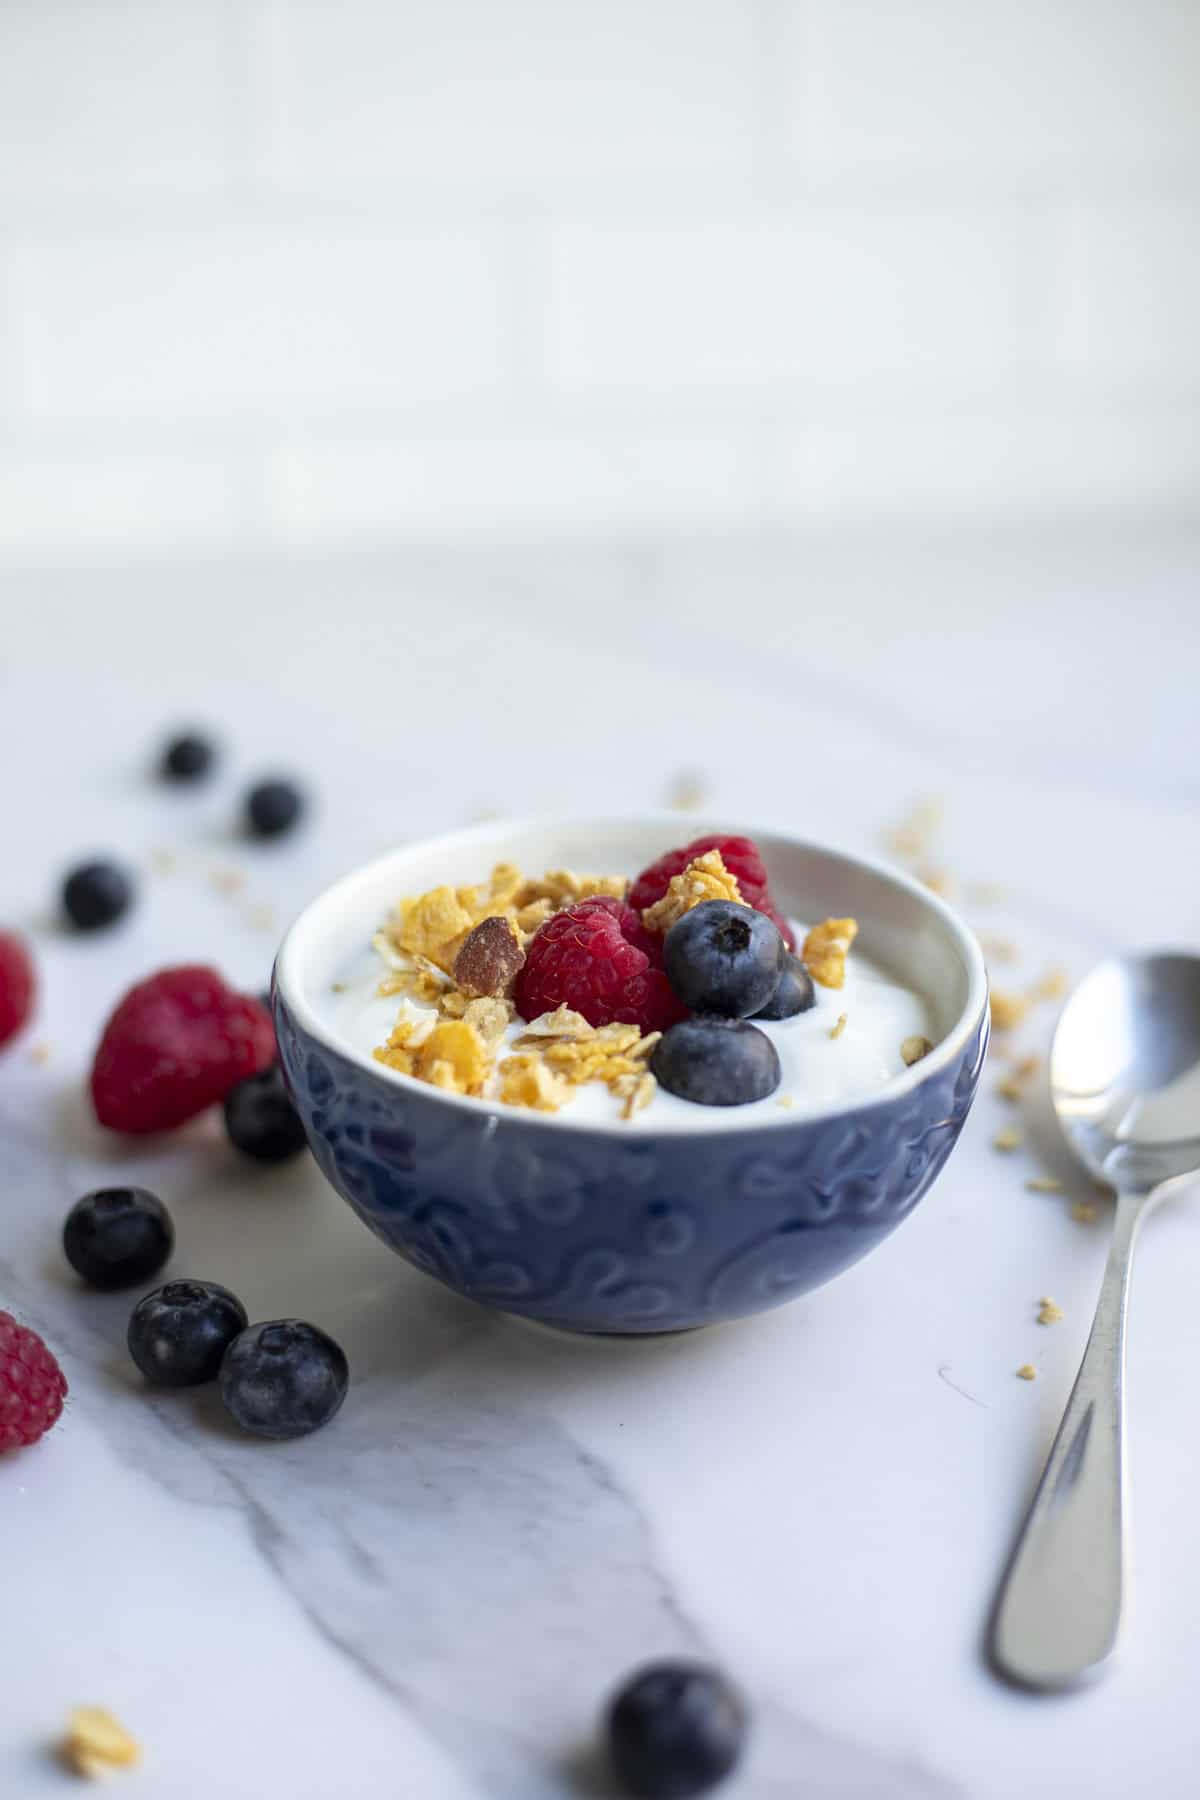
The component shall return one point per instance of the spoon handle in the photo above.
(1059, 1609)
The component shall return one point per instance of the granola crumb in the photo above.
(227, 881)
(787, 1101)
(637, 1091)
(687, 791)
(1027, 1372)
(96, 1742)
(1008, 1139)
(1007, 1009)
(39, 1054)
(825, 950)
(1049, 1311)
(338, 987)
(913, 1049)
(939, 881)
(262, 917)
(1026, 1067)
(1009, 1088)
(706, 878)
(1052, 985)
(1083, 1212)
(1044, 1184)
(835, 1031)
(913, 836)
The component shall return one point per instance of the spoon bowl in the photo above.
(1125, 1070)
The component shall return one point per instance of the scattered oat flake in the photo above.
(1007, 1009)
(1083, 1212)
(338, 987)
(687, 791)
(227, 881)
(985, 893)
(912, 837)
(1049, 1311)
(39, 1054)
(787, 1101)
(825, 950)
(1044, 1184)
(637, 1091)
(835, 1031)
(1026, 1067)
(705, 878)
(913, 1049)
(1008, 1139)
(561, 1023)
(1027, 1372)
(1052, 986)
(939, 881)
(261, 917)
(1009, 1088)
(96, 1743)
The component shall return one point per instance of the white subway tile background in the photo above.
(285, 271)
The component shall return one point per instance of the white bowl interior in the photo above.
(903, 926)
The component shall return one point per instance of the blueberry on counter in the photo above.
(273, 807)
(188, 757)
(724, 958)
(96, 894)
(716, 1062)
(795, 993)
(179, 1333)
(283, 1379)
(675, 1729)
(260, 1119)
(117, 1237)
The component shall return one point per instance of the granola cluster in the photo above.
(458, 952)
(461, 950)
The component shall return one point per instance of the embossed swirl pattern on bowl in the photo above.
(581, 1230)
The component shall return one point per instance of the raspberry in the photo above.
(598, 959)
(16, 985)
(177, 1044)
(32, 1386)
(741, 857)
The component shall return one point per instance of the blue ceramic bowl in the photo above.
(615, 1227)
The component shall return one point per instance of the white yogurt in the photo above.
(819, 1071)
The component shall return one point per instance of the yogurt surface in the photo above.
(819, 1071)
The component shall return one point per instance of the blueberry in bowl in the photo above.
(686, 1212)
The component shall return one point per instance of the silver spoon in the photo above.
(1125, 1081)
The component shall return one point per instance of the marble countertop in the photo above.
(431, 1597)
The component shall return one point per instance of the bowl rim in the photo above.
(288, 971)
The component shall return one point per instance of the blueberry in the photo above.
(283, 1379)
(675, 1729)
(795, 993)
(273, 807)
(179, 1333)
(96, 894)
(716, 1062)
(261, 1120)
(116, 1237)
(188, 757)
(723, 958)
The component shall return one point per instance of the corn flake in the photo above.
(526, 1081)
(95, 1743)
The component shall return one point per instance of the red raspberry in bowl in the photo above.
(17, 985)
(176, 1045)
(32, 1386)
(598, 958)
(741, 857)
